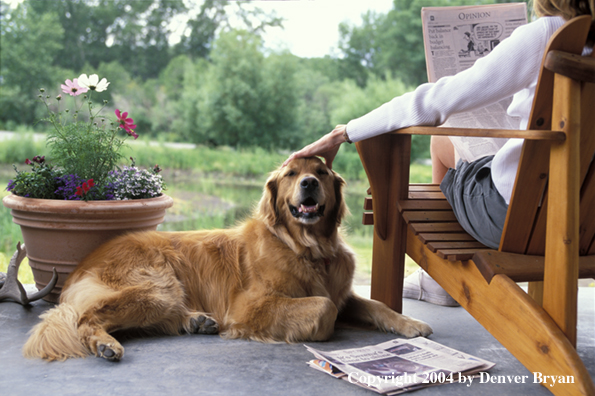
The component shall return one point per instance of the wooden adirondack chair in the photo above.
(550, 221)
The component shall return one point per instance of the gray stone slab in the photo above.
(209, 365)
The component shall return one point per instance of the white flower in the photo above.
(92, 82)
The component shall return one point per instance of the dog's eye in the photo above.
(322, 172)
(290, 173)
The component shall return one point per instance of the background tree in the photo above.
(30, 43)
(246, 99)
(186, 73)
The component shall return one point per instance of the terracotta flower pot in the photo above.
(61, 233)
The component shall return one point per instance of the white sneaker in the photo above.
(420, 286)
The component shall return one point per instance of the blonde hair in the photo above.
(567, 9)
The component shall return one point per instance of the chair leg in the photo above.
(386, 161)
(535, 290)
(511, 316)
(562, 235)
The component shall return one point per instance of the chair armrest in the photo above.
(530, 134)
(576, 67)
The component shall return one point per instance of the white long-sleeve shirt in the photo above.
(512, 68)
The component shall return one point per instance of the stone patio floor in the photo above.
(209, 365)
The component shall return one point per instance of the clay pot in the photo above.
(59, 234)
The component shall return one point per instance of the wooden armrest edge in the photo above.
(530, 134)
(580, 68)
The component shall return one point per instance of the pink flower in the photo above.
(73, 88)
(126, 123)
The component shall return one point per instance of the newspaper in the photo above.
(400, 365)
(454, 38)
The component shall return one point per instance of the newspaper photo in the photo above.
(399, 365)
(454, 38)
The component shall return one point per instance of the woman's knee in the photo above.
(442, 151)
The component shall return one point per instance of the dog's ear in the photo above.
(340, 210)
(267, 207)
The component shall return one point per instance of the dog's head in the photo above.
(306, 193)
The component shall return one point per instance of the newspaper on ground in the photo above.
(454, 38)
(399, 365)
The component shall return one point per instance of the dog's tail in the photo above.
(56, 337)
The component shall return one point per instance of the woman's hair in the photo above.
(567, 9)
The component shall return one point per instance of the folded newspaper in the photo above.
(400, 365)
(454, 38)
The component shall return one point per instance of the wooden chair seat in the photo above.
(431, 218)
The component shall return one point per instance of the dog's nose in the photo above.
(309, 183)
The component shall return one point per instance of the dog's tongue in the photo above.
(308, 209)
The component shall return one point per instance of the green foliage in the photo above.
(317, 93)
(85, 150)
(183, 113)
(39, 183)
(89, 149)
(138, 33)
(30, 43)
(353, 102)
(244, 162)
(20, 147)
(227, 91)
(246, 99)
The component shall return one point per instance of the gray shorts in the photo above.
(477, 204)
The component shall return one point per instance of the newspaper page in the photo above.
(454, 38)
(399, 365)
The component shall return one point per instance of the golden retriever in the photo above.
(283, 275)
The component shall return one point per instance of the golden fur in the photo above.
(283, 275)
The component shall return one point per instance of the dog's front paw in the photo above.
(203, 324)
(110, 351)
(412, 328)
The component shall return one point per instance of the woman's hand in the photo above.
(325, 147)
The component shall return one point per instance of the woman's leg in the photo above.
(419, 285)
(443, 156)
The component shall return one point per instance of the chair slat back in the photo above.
(524, 229)
(587, 177)
(587, 208)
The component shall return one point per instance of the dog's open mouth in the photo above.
(308, 210)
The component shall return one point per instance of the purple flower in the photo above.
(67, 187)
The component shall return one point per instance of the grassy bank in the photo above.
(251, 162)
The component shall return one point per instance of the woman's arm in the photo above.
(325, 147)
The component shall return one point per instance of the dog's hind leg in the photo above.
(147, 306)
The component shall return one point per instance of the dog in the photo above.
(283, 275)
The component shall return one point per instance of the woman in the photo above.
(478, 191)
